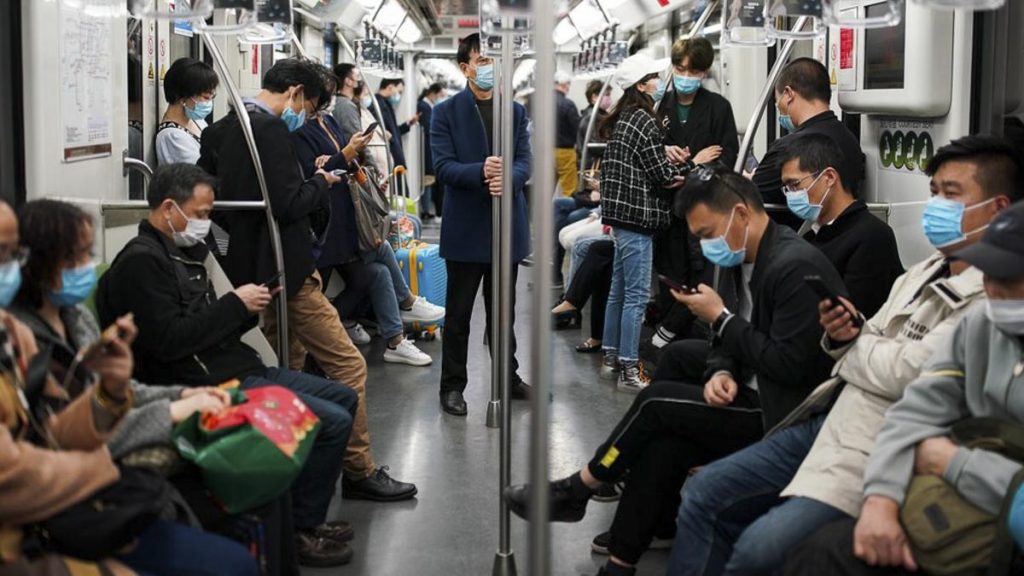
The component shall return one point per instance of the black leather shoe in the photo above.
(379, 487)
(320, 552)
(339, 531)
(453, 403)
(519, 390)
(613, 569)
(568, 499)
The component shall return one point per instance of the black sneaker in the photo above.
(610, 366)
(613, 569)
(519, 390)
(568, 499)
(379, 487)
(606, 493)
(317, 551)
(603, 540)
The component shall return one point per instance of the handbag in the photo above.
(372, 214)
(250, 453)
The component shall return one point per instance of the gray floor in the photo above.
(451, 527)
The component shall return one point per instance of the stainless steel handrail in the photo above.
(129, 164)
(495, 405)
(591, 122)
(703, 20)
(540, 324)
(219, 206)
(272, 226)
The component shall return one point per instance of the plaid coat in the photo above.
(634, 172)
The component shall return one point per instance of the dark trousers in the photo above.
(335, 406)
(173, 549)
(667, 431)
(354, 301)
(593, 279)
(464, 280)
(830, 551)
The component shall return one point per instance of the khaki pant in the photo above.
(565, 168)
(314, 326)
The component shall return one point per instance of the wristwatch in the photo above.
(116, 407)
(719, 322)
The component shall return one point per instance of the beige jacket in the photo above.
(877, 367)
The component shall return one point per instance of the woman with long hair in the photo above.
(637, 184)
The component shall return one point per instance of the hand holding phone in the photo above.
(676, 285)
(369, 129)
(824, 293)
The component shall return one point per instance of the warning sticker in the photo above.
(846, 54)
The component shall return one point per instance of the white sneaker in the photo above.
(358, 334)
(406, 353)
(422, 311)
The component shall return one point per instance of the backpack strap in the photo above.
(1004, 548)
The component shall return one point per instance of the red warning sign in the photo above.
(846, 57)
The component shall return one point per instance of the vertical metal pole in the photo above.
(540, 323)
(590, 126)
(504, 562)
(494, 406)
(698, 26)
(275, 232)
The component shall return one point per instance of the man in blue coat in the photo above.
(462, 143)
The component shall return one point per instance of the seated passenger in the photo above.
(318, 144)
(742, 514)
(974, 373)
(40, 481)
(802, 94)
(764, 360)
(593, 278)
(189, 336)
(862, 247)
(189, 87)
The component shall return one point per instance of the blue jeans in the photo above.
(335, 405)
(387, 289)
(732, 520)
(171, 549)
(631, 287)
(566, 212)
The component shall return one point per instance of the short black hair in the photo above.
(718, 188)
(188, 77)
(999, 166)
(467, 46)
(699, 50)
(343, 70)
(808, 78)
(387, 82)
(178, 182)
(293, 72)
(330, 86)
(816, 152)
(593, 89)
(432, 89)
(51, 230)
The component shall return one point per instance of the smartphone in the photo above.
(370, 128)
(824, 293)
(106, 338)
(338, 173)
(273, 280)
(676, 285)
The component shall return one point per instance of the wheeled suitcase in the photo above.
(426, 275)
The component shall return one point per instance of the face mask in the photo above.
(484, 77)
(718, 251)
(200, 110)
(685, 84)
(293, 119)
(195, 230)
(76, 285)
(367, 102)
(659, 92)
(786, 121)
(943, 221)
(1007, 315)
(799, 202)
(395, 99)
(10, 282)
(606, 103)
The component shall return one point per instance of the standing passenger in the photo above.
(462, 139)
(189, 87)
(346, 109)
(635, 203)
(431, 204)
(567, 122)
(389, 96)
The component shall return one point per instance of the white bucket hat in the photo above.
(634, 68)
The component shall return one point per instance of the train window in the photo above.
(884, 53)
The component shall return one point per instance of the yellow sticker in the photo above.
(609, 457)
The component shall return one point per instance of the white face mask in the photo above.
(1007, 315)
(194, 233)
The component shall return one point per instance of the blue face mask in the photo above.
(659, 92)
(76, 285)
(787, 123)
(718, 251)
(685, 84)
(799, 202)
(293, 119)
(484, 77)
(395, 99)
(10, 282)
(943, 221)
(368, 102)
(200, 110)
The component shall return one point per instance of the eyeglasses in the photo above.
(19, 255)
(794, 186)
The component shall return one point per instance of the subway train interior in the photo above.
(567, 287)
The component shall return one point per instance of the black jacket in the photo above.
(225, 154)
(711, 123)
(186, 334)
(425, 109)
(768, 176)
(863, 250)
(781, 344)
(595, 154)
(567, 121)
(390, 122)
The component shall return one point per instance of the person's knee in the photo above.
(335, 425)
(759, 551)
(700, 499)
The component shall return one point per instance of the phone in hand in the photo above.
(676, 285)
(370, 128)
(338, 173)
(824, 293)
(273, 281)
(106, 338)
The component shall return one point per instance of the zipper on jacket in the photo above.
(201, 365)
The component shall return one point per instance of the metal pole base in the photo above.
(504, 564)
(494, 414)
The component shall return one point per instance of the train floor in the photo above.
(451, 527)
